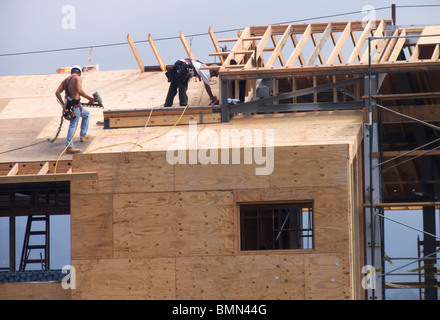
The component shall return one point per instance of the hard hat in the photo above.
(75, 69)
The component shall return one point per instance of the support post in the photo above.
(373, 222)
(429, 249)
(224, 90)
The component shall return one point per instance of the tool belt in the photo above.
(69, 110)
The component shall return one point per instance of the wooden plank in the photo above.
(216, 46)
(164, 120)
(260, 47)
(135, 52)
(309, 166)
(378, 33)
(436, 53)
(13, 171)
(218, 176)
(390, 45)
(186, 45)
(239, 45)
(325, 278)
(298, 49)
(415, 54)
(33, 291)
(262, 276)
(156, 53)
(87, 219)
(431, 35)
(126, 279)
(45, 169)
(148, 225)
(338, 47)
(398, 47)
(138, 172)
(318, 48)
(49, 177)
(279, 46)
(356, 53)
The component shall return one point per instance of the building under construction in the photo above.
(278, 192)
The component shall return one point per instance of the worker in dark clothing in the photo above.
(179, 76)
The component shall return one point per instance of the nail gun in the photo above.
(98, 100)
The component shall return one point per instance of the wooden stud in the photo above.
(319, 45)
(398, 47)
(156, 53)
(136, 54)
(435, 54)
(259, 50)
(337, 50)
(356, 53)
(186, 46)
(44, 169)
(378, 33)
(13, 171)
(298, 49)
(216, 46)
(277, 52)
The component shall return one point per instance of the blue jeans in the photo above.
(84, 114)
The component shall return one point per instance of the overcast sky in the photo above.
(29, 26)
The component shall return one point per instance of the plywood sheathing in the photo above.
(172, 231)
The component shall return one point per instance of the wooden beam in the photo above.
(186, 45)
(298, 49)
(238, 46)
(44, 169)
(13, 171)
(136, 54)
(337, 50)
(356, 53)
(319, 45)
(398, 47)
(378, 33)
(156, 53)
(260, 47)
(49, 177)
(280, 45)
(216, 46)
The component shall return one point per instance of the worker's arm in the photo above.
(81, 92)
(208, 90)
(58, 92)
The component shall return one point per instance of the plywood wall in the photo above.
(167, 231)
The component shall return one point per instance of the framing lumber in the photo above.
(156, 53)
(298, 49)
(186, 46)
(278, 47)
(135, 52)
(216, 46)
(13, 171)
(317, 52)
(338, 46)
(50, 177)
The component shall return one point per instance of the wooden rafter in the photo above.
(135, 52)
(156, 53)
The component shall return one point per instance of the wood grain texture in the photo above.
(173, 224)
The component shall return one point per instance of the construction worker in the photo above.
(74, 91)
(179, 75)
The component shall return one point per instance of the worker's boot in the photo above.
(85, 138)
(71, 150)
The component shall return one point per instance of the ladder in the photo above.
(42, 247)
